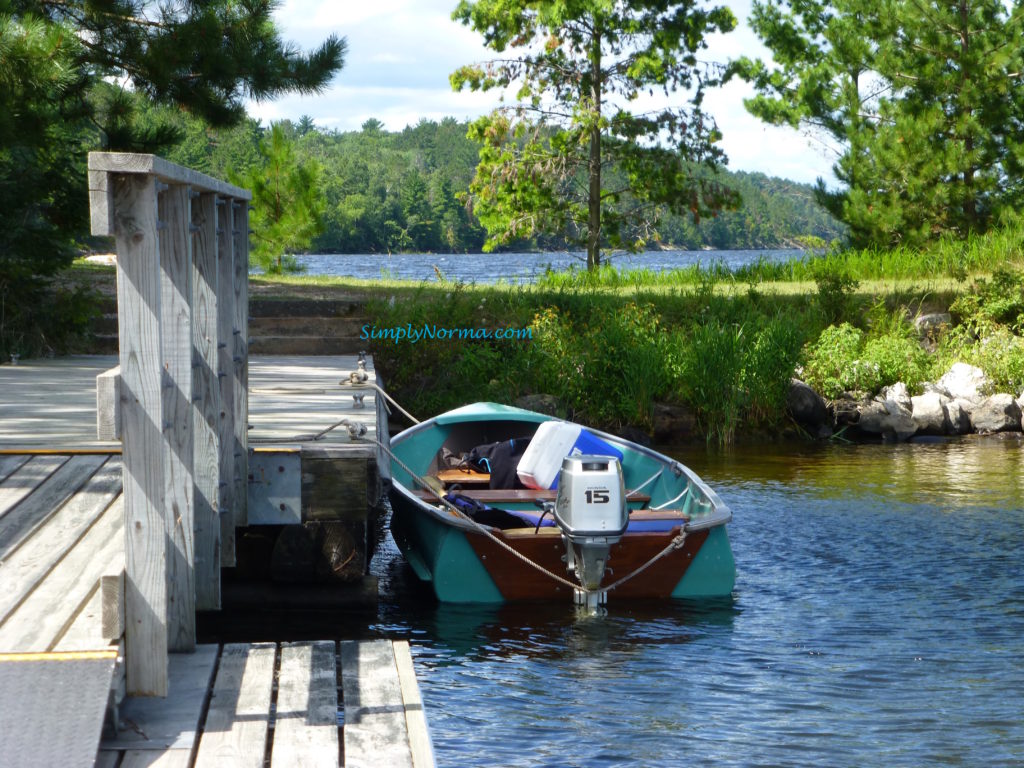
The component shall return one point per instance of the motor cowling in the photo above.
(591, 511)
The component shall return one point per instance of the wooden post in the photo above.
(139, 300)
(240, 358)
(206, 416)
(176, 352)
(226, 374)
(179, 379)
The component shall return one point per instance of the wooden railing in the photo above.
(182, 294)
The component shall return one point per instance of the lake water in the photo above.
(878, 620)
(515, 267)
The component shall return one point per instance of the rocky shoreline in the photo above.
(956, 404)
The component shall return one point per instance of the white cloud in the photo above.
(401, 52)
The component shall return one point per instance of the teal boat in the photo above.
(473, 542)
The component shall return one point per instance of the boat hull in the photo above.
(463, 566)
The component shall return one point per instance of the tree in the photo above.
(59, 60)
(922, 101)
(578, 65)
(42, 139)
(287, 207)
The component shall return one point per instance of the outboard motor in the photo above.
(591, 511)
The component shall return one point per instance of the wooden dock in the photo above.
(290, 704)
(62, 572)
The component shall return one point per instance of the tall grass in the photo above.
(948, 258)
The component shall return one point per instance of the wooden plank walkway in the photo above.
(62, 577)
(51, 404)
(283, 705)
(60, 534)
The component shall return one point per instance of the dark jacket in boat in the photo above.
(500, 461)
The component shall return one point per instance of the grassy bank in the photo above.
(722, 345)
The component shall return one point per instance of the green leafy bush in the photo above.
(833, 361)
(844, 359)
(1000, 354)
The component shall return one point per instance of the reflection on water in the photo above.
(878, 619)
(973, 471)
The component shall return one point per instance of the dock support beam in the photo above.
(182, 316)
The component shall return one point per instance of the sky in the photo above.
(401, 52)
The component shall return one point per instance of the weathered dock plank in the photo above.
(240, 358)
(376, 732)
(226, 376)
(171, 723)
(306, 733)
(236, 727)
(40, 621)
(415, 715)
(9, 464)
(21, 521)
(22, 571)
(176, 356)
(27, 478)
(142, 426)
(206, 415)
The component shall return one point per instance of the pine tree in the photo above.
(287, 207)
(921, 99)
(578, 67)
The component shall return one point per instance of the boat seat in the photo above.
(519, 495)
(463, 477)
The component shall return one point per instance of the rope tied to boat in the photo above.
(677, 541)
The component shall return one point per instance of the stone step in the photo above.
(345, 327)
(304, 308)
(305, 345)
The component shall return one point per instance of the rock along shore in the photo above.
(956, 404)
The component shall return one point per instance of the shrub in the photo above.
(832, 362)
(1000, 355)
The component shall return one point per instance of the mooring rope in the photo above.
(676, 543)
(361, 379)
(483, 529)
(355, 430)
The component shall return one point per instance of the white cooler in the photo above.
(554, 440)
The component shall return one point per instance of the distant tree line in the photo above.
(401, 191)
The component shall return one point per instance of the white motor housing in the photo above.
(591, 511)
(591, 497)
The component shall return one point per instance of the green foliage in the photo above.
(768, 368)
(58, 65)
(391, 191)
(608, 364)
(845, 359)
(42, 143)
(287, 211)
(45, 320)
(988, 332)
(835, 289)
(579, 68)
(833, 361)
(710, 377)
(922, 99)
